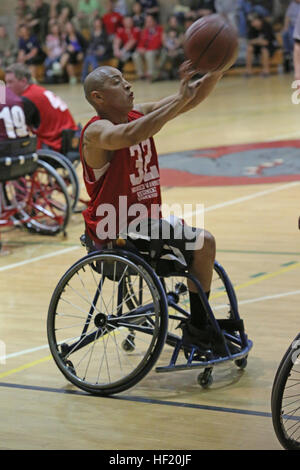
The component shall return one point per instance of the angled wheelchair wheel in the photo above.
(41, 200)
(285, 401)
(66, 170)
(223, 301)
(100, 340)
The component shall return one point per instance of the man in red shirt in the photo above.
(148, 49)
(112, 19)
(125, 41)
(121, 174)
(49, 114)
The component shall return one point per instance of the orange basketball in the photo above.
(211, 44)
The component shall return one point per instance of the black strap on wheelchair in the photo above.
(231, 325)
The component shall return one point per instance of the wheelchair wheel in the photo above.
(222, 300)
(101, 342)
(66, 170)
(285, 402)
(41, 200)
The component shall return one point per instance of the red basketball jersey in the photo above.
(54, 116)
(129, 188)
(12, 117)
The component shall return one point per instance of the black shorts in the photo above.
(172, 237)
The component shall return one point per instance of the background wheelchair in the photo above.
(66, 163)
(285, 401)
(117, 312)
(32, 194)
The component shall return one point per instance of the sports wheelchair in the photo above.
(66, 163)
(285, 398)
(117, 312)
(32, 194)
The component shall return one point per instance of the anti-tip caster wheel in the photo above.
(241, 363)
(128, 344)
(205, 379)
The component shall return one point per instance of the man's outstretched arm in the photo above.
(202, 87)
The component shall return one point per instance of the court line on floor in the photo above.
(210, 208)
(243, 198)
(46, 346)
(39, 258)
(138, 399)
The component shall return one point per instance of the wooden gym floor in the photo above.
(258, 243)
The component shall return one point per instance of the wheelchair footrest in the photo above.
(209, 360)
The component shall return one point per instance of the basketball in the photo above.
(211, 44)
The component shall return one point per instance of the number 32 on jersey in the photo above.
(143, 154)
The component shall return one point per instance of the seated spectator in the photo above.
(48, 113)
(288, 31)
(40, 18)
(203, 8)
(138, 16)
(86, 12)
(148, 49)
(23, 12)
(112, 20)
(172, 54)
(229, 10)
(125, 41)
(99, 48)
(61, 11)
(74, 52)
(245, 7)
(150, 7)
(30, 51)
(121, 7)
(261, 42)
(8, 49)
(54, 47)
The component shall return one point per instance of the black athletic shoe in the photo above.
(205, 340)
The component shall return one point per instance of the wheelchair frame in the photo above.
(130, 314)
(26, 199)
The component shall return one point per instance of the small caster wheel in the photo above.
(241, 363)
(70, 366)
(205, 379)
(128, 344)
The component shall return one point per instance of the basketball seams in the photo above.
(209, 44)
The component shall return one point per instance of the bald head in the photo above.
(95, 81)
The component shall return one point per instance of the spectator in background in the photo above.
(261, 42)
(40, 18)
(138, 16)
(148, 49)
(112, 20)
(23, 12)
(86, 12)
(121, 7)
(288, 33)
(296, 52)
(150, 7)
(203, 8)
(125, 41)
(8, 49)
(61, 11)
(54, 48)
(263, 8)
(99, 48)
(30, 51)
(229, 10)
(74, 53)
(172, 54)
